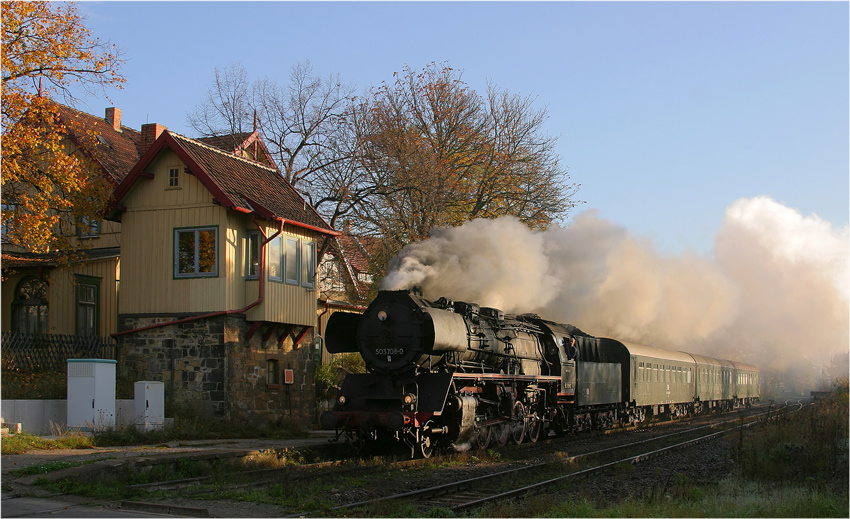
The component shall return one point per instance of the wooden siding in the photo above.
(62, 297)
(148, 286)
(110, 236)
(284, 303)
(154, 211)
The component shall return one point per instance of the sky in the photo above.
(666, 113)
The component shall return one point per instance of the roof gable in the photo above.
(236, 183)
(236, 143)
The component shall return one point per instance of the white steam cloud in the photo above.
(775, 289)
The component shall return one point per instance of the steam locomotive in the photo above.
(451, 374)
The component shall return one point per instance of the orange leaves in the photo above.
(48, 185)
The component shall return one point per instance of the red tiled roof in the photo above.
(227, 143)
(236, 142)
(354, 252)
(235, 182)
(31, 259)
(118, 152)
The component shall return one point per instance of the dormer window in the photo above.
(173, 178)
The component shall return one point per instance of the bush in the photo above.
(329, 376)
(35, 385)
(811, 443)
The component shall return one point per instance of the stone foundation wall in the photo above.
(210, 365)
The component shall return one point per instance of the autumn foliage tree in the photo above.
(423, 151)
(50, 177)
(439, 154)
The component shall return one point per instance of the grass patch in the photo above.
(732, 498)
(99, 489)
(44, 468)
(191, 422)
(21, 443)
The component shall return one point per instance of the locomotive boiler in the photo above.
(446, 374)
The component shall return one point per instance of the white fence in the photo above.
(36, 416)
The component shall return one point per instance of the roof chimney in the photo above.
(150, 133)
(113, 117)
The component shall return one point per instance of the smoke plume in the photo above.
(774, 291)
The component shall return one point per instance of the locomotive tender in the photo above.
(454, 374)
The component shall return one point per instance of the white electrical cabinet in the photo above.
(149, 404)
(91, 394)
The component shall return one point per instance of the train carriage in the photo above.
(655, 381)
(746, 383)
(707, 391)
(727, 383)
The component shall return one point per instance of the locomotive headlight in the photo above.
(341, 399)
(409, 399)
(382, 316)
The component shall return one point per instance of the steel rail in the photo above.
(467, 483)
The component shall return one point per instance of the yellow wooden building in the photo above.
(204, 271)
(218, 272)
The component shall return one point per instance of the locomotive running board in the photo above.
(502, 376)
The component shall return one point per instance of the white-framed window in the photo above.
(252, 255)
(196, 252)
(308, 264)
(173, 178)
(275, 259)
(292, 261)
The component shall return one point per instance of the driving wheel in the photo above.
(517, 423)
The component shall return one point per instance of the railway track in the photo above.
(523, 469)
(519, 481)
(353, 466)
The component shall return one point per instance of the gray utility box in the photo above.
(91, 394)
(149, 404)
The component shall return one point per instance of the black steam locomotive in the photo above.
(454, 374)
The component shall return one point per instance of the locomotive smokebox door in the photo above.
(390, 337)
(340, 336)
